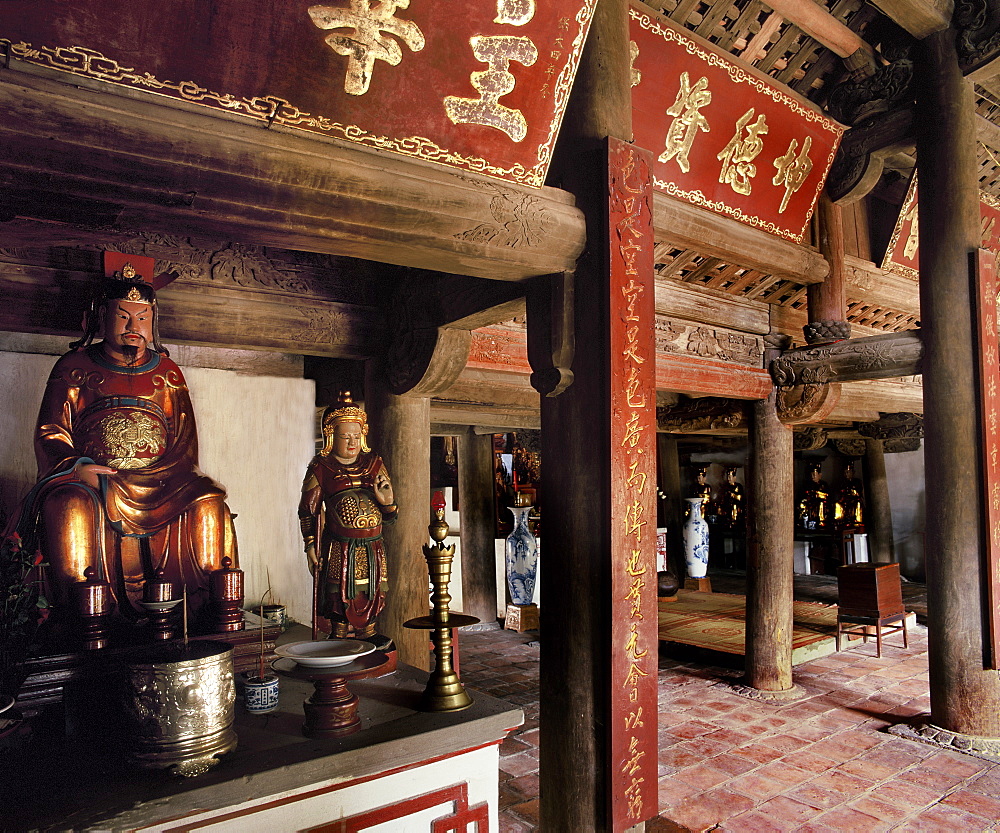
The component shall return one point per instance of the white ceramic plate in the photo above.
(325, 653)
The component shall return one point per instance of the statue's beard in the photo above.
(131, 353)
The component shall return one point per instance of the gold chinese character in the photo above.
(633, 431)
(367, 44)
(632, 678)
(514, 12)
(636, 479)
(633, 521)
(632, 645)
(633, 398)
(792, 169)
(913, 238)
(633, 53)
(635, 566)
(688, 120)
(497, 51)
(737, 157)
(632, 763)
(634, 796)
(634, 598)
(633, 720)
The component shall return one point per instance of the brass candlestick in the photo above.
(444, 691)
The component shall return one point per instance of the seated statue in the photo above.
(346, 499)
(119, 487)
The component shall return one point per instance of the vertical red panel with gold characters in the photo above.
(633, 743)
(989, 386)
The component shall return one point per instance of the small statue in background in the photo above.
(347, 497)
(702, 490)
(849, 508)
(813, 508)
(730, 506)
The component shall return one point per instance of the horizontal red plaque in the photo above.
(723, 136)
(479, 85)
(903, 254)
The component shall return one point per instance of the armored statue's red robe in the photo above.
(157, 512)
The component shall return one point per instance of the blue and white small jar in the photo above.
(260, 694)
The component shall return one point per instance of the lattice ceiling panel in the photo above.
(750, 30)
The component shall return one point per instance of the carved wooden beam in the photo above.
(688, 227)
(74, 154)
(708, 414)
(819, 24)
(875, 357)
(918, 17)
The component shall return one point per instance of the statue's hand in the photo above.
(312, 558)
(383, 489)
(88, 473)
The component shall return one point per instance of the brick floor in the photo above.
(824, 762)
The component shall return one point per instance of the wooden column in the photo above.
(965, 698)
(878, 512)
(673, 516)
(770, 563)
(577, 769)
(828, 300)
(475, 501)
(399, 430)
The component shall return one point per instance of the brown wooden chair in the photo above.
(870, 596)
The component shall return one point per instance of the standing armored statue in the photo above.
(849, 510)
(346, 500)
(119, 489)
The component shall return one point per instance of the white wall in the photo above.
(255, 437)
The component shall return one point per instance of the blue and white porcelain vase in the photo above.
(521, 558)
(696, 540)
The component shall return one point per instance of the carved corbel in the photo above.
(710, 413)
(893, 427)
(862, 153)
(551, 332)
(431, 318)
(802, 404)
(900, 444)
(978, 39)
(810, 439)
(850, 447)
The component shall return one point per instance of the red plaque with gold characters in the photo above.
(903, 253)
(479, 85)
(633, 487)
(723, 136)
(989, 398)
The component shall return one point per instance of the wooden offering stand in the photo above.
(332, 710)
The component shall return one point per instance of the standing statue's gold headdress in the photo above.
(344, 411)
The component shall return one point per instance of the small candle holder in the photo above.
(159, 600)
(92, 598)
(226, 594)
(444, 691)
